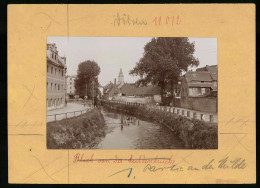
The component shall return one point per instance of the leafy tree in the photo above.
(87, 75)
(163, 62)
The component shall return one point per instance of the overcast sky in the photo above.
(113, 53)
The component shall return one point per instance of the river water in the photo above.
(128, 132)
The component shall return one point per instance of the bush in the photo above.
(77, 132)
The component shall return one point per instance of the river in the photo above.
(127, 132)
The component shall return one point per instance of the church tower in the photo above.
(120, 77)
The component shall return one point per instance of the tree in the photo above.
(87, 78)
(163, 62)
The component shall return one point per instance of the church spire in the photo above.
(120, 77)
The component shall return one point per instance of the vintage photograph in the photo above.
(132, 93)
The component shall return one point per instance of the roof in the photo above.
(128, 89)
(204, 85)
(119, 86)
(149, 90)
(198, 76)
(213, 70)
(108, 87)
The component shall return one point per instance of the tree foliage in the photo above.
(87, 75)
(163, 61)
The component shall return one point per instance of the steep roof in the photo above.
(213, 70)
(108, 87)
(198, 76)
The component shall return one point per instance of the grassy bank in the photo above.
(78, 132)
(195, 133)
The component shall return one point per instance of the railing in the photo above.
(60, 116)
(191, 114)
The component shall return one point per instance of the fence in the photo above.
(57, 117)
(191, 114)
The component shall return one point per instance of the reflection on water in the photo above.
(127, 132)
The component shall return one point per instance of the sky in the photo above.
(113, 53)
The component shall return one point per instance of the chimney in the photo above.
(115, 81)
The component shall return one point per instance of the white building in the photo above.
(71, 86)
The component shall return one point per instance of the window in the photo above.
(203, 91)
(182, 113)
(52, 55)
(55, 56)
(188, 113)
(47, 85)
(51, 69)
(55, 70)
(61, 73)
(201, 116)
(58, 86)
(51, 86)
(211, 118)
(194, 115)
(55, 87)
(47, 68)
(199, 91)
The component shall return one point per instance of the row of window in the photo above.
(54, 87)
(54, 102)
(55, 71)
(194, 91)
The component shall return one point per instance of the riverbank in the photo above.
(83, 131)
(194, 133)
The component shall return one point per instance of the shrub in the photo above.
(77, 132)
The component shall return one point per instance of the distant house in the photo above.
(71, 86)
(108, 91)
(154, 92)
(128, 89)
(196, 84)
(213, 71)
(199, 89)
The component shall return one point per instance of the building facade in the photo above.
(199, 89)
(56, 78)
(71, 86)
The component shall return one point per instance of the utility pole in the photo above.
(93, 93)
